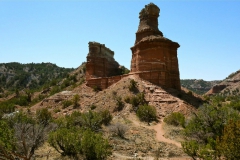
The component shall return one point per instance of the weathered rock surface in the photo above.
(154, 57)
(100, 61)
(229, 86)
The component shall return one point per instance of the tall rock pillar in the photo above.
(154, 57)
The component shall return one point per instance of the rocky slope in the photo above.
(229, 86)
(141, 139)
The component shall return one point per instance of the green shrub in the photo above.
(54, 90)
(127, 99)
(94, 146)
(228, 145)
(119, 104)
(43, 116)
(134, 101)
(75, 100)
(133, 85)
(67, 103)
(78, 142)
(92, 107)
(66, 141)
(141, 98)
(175, 119)
(22, 101)
(138, 100)
(114, 93)
(41, 97)
(26, 136)
(191, 147)
(56, 110)
(190, 93)
(6, 138)
(73, 120)
(106, 117)
(7, 107)
(147, 113)
(203, 129)
(91, 120)
(122, 70)
(65, 83)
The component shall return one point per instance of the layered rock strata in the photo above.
(100, 62)
(154, 57)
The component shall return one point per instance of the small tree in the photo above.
(146, 113)
(28, 136)
(94, 146)
(228, 144)
(7, 141)
(66, 141)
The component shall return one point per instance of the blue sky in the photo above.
(59, 32)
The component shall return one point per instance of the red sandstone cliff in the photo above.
(229, 86)
(100, 61)
(154, 57)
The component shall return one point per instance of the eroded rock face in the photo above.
(154, 57)
(216, 89)
(100, 62)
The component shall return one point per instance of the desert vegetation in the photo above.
(210, 131)
(96, 129)
(32, 75)
(77, 135)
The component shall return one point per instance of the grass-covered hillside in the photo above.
(198, 86)
(32, 75)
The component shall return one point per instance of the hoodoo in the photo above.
(154, 57)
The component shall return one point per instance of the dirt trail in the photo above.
(159, 135)
(159, 132)
(123, 157)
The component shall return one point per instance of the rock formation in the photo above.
(229, 86)
(154, 57)
(100, 62)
